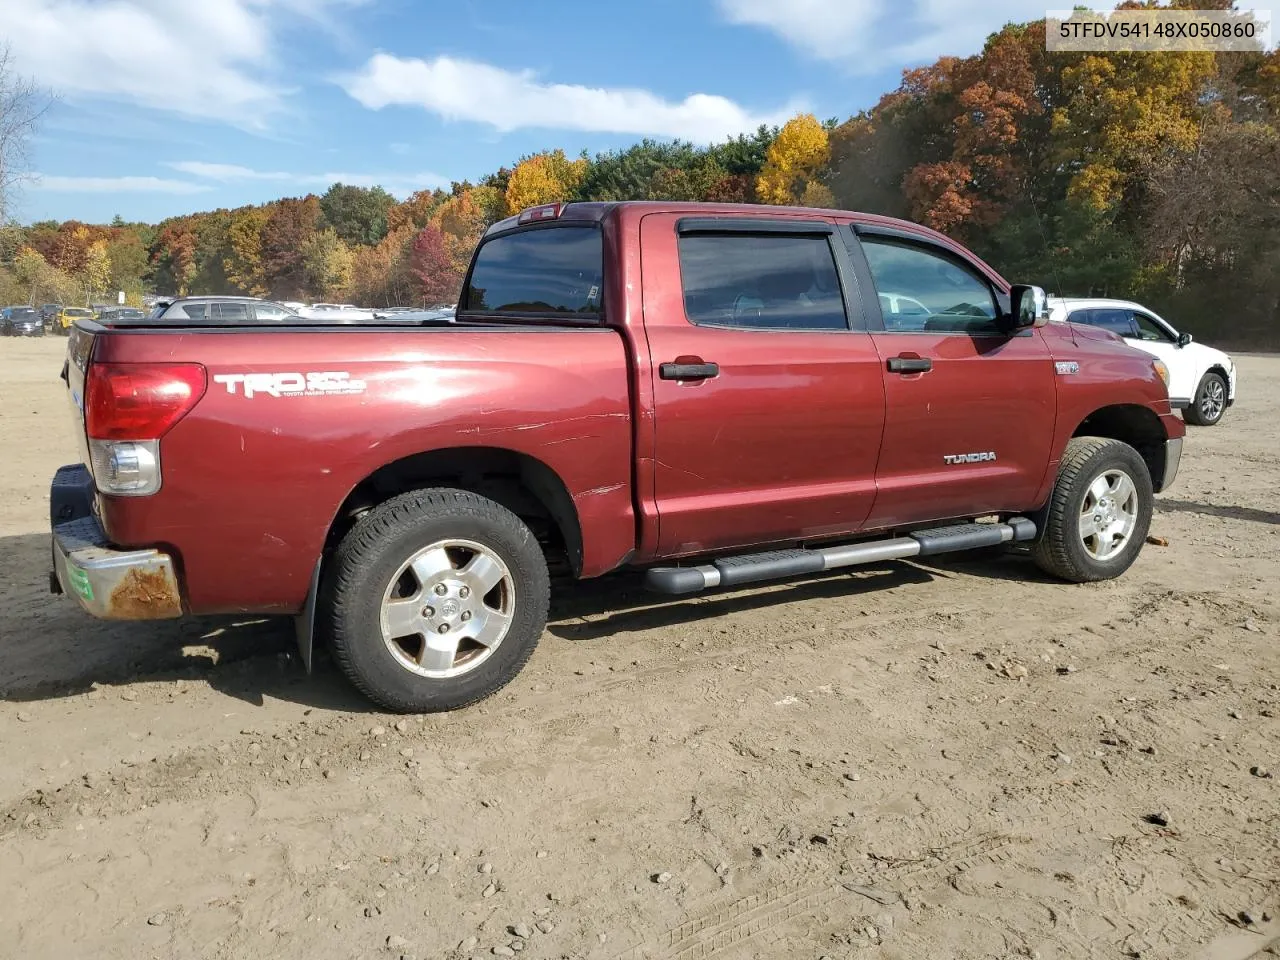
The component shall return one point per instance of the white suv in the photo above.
(1202, 380)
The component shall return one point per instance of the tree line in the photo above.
(1154, 176)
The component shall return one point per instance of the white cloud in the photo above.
(60, 184)
(467, 90)
(399, 184)
(868, 35)
(224, 172)
(206, 59)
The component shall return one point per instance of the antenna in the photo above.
(1044, 237)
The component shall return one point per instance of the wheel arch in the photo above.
(1221, 371)
(1138, 426)
(523, 484)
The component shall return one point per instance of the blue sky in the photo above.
(171, 106)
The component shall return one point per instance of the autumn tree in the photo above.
(358, 215)
(329, 264)
(213, 247)
(544, 178)
(800, 151)
(438, 279)
(461, 222)
(381, 275)
(290, 225)
(95, 274)
(173, 258)
(70, 247)
(128, 257)
(243, 264)
(41, 281)
(417, 210)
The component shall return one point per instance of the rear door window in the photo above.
(230, 311)
(550, 271)
(1119, 322)
(761, 282)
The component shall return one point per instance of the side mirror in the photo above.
(1184, 339)
(1028, 307)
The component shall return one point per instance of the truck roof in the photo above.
(594, 211)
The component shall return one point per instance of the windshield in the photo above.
(22, 313)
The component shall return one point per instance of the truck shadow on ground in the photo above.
(1166, 505)
(49, 649)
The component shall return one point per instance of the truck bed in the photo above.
(310, 412)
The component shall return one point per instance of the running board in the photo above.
(780, 564)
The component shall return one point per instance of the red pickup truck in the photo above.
(717, 394)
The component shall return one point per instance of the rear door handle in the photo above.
(688, 371)
(910, 364)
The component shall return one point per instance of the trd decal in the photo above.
(317, 384)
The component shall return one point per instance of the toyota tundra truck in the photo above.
(714, 394)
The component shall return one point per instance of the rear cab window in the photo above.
(538, 272)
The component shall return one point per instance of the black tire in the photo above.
(1061, 549)
(1209, 405)
(361, 573)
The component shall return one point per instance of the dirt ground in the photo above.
(959, 759)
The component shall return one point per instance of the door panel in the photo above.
(780, 443)
(982, 395)
(1160, 342)
(970, 411)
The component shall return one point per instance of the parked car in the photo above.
(1202, 380)
(48, 311)
(21, 321)
(67, 316)
(121, 314)
(335, 312)
(411, 315)
(742, 410)
(222, 310)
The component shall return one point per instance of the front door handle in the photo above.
(910, 364)
(688, 371)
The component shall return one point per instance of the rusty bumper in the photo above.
(107, 582)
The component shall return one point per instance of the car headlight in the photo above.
(1162, 371)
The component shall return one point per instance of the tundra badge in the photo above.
(954, 458)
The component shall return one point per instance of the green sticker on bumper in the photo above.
(80, 582)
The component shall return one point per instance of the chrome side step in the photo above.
(784, 564)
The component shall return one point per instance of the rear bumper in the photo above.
(108, 583)
(1172, 459)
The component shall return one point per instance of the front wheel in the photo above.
(1209, 403)
(1099, 512)
(437, 598)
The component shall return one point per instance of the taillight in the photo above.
(128, 408)
(139, 401)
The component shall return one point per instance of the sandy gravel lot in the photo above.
(957, 759)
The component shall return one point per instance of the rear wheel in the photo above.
(437, 599)
(1209, 403)
(1099, 512)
